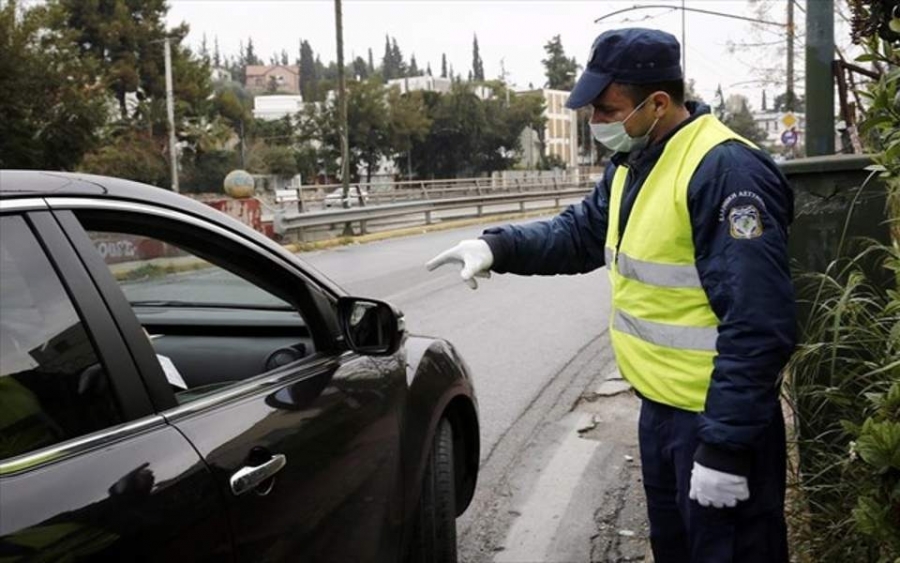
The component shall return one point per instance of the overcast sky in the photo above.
(513, 31)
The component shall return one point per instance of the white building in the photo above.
(560, 132)
(219, 74)
(434, 84)
(424, 83)
(272, 108)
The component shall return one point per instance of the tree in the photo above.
(408, 124)
(428, 70)
(217, 57)
(367, 127)
(413, 67)
(690, 93)
(784, 102)
(133, 155)
(387, 61)
(740, 120)
(559, 69)
(53, 102)
(371, 63)
(720, 110)
(397, 58)
(360, 69)
(204, 50)
(443, 65)
(125, 38)
(477, 64)
(308, 72)
(250, 57)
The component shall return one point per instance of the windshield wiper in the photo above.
(195, 304)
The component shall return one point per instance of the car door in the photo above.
(305, 448)
(87, 470)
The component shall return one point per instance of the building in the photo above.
(275, 107)
(435, 84)
(219, 74)
(560, 132)
(424, 83)
(284, 79)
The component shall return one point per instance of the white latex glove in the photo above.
(711, 487)
(475, 256)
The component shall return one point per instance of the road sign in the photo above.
(789, 138)
(789, 120)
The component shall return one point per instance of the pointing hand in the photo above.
(474, 256)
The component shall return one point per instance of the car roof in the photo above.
(33, 183)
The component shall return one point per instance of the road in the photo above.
(560, 472)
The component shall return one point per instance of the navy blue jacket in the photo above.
(746, 278)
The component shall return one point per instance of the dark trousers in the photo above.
(682, 531)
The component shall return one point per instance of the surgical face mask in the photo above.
(613, 135)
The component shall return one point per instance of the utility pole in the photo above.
(790, 56)
(342, 101)
(819, 79)
(684, 42)
(170, 109)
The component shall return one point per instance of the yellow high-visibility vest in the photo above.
(662, 327)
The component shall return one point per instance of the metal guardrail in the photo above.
(295, 223)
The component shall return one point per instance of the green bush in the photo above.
(844, 388)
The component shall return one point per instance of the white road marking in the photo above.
(533, 531)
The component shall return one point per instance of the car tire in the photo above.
(434, 536)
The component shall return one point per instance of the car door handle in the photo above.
(248, 478)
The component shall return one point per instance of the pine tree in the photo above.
(477, 63)
(559, 69)
(387, 62)
(250, 57)
(284, 58)
(217, 57)
(308, 73)
(443, 65)
(428, 70)
(204, 50)
(413, 67)
(371, 63)
(720, 107)
(397, 58)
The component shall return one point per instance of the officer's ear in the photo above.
(661, 102)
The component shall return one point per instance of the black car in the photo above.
(174, 386)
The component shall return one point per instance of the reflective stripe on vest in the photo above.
(672, 336)
(665, 275)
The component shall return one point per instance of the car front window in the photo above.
(155, 273)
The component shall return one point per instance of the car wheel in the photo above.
(434, 538)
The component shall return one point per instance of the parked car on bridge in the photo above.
(335, 199)
(174, 386)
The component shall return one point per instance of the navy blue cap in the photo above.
(629, 56)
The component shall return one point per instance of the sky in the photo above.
(510, 33)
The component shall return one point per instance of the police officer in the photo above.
(692, 221)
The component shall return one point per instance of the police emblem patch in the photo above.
(745, 222)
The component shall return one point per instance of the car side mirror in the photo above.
(370, 327)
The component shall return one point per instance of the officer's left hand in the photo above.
(716, 488)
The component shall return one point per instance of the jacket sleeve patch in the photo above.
(745, 222)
